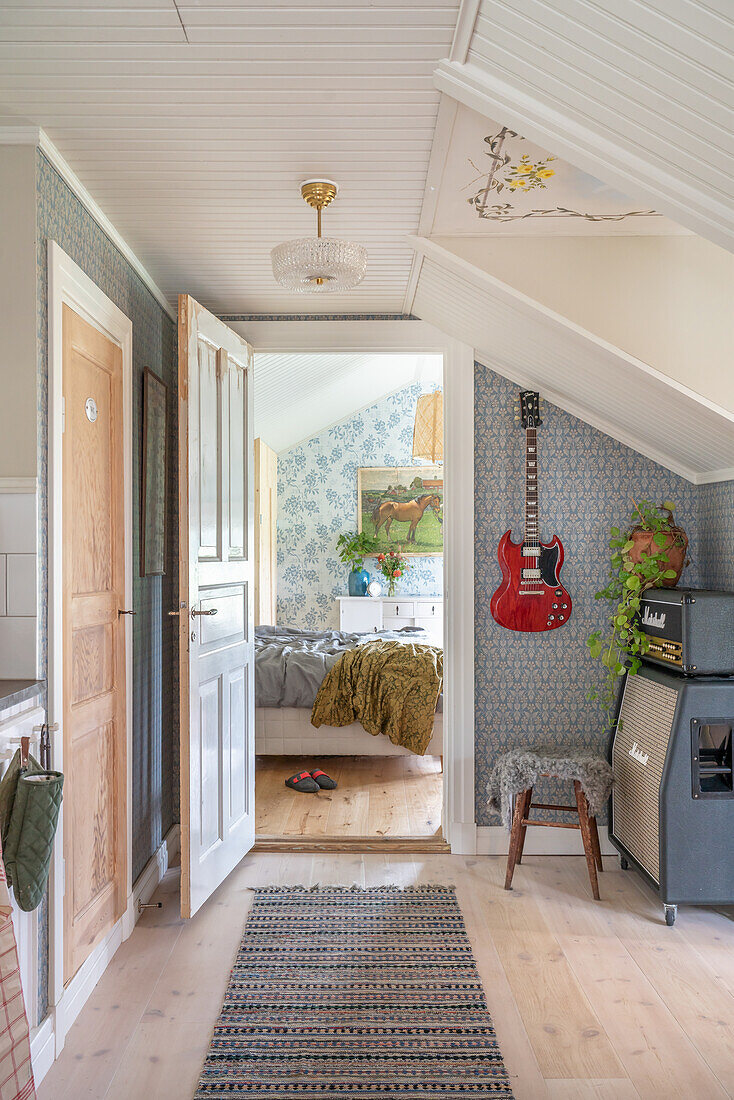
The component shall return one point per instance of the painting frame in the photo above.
(401, 480)
(154, 477)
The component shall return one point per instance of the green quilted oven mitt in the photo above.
(33, 820)
(8, 787)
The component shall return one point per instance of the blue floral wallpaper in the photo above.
(532, 688)
(317, 500)
(716, 530)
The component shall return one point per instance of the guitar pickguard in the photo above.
(548, 565)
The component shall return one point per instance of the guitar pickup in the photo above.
(531, 551)
(531, 574)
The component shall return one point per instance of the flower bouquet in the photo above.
(392, 566)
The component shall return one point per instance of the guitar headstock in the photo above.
(530, 409)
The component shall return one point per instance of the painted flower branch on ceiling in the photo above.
(521, 177)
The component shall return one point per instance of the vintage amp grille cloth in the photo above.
(16, 1075)
(354, 993)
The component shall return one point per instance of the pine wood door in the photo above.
(94, 645)
(216, 518)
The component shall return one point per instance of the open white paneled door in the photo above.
(216, 547)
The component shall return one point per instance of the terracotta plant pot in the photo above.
(676, 554)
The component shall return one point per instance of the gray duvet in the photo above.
(290, 663)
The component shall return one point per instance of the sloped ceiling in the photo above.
(193, 124)
(298, 395)
(602, 385)
(638, 93)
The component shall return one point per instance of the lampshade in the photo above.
(428, 429)
(319, 265)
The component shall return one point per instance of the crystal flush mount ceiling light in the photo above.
(319, 265)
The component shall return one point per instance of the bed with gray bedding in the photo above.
(291, 663)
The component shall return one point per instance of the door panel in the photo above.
(217, 570)
(210, 444)
(94, 666)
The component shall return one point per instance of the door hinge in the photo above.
(63, 415)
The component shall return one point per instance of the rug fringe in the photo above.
(419, 888)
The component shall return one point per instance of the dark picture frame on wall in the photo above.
(154, 481)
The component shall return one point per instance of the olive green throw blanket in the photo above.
(390, 687)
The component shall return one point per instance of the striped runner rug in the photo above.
(354, 993)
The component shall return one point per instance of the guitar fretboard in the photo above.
(531, 486)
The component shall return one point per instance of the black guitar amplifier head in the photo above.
(690, 629)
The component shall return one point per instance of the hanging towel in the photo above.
(16, 1074)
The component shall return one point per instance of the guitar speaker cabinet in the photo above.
(672, 805)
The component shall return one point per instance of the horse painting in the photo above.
(408, 511)
(410, 497)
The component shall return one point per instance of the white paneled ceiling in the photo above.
(588, 377)
(298, 395)
(637, 92)
(193, 125)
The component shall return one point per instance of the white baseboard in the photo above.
(494, 840)
(462, 836)
(43, 1043)
(47, 1040)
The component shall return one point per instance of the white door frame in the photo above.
(460, 827)
(68, 285)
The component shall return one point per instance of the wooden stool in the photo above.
(586, 824)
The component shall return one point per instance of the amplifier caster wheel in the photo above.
(671, 912)
(623, 864)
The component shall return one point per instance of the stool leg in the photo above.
(583, 808)
(515, 838)
(528, 797)
(595, 843)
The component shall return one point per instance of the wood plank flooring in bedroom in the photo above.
(377, 796)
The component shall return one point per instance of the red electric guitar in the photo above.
(530, 597)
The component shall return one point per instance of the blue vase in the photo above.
(358, 581)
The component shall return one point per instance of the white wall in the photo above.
(18, 416)
(666, 300)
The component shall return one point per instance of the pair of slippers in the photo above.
(310, 782)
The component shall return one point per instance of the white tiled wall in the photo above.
(18, 586)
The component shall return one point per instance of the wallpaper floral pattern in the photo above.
(532, 689)
(716, 526)
(317, 500)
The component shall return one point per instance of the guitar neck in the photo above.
(531, 486)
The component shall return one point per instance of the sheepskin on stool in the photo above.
(519, 770)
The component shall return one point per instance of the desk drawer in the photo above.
(429, 610)
(398, 609)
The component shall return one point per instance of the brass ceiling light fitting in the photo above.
(312, 265)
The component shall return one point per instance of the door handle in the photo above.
(172, 613)
(120, 612)
(213, 611)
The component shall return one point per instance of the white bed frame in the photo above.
(287, 731)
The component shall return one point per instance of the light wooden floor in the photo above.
(377, 796)
(590, 999)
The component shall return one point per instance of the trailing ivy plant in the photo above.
(623, 643)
